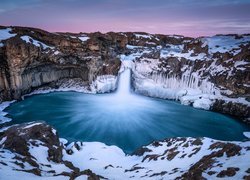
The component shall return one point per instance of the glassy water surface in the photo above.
(122, 118)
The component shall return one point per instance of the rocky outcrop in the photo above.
(32, 150)
(33, 58)
(200, 72)
(232, 108)
(35, 148)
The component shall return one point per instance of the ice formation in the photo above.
(104, 83)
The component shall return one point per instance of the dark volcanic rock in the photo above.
(19, 137)
(236, 109)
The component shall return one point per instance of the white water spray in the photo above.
(124, 86)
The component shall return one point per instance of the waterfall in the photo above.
(124, 85)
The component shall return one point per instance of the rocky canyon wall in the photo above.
(32, 58)
(211, 73)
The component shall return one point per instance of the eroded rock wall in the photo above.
(202, 72)
(33, 58)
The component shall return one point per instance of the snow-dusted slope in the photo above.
(184, 158)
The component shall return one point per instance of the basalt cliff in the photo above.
(211, 73)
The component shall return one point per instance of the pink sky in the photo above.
(190, 17)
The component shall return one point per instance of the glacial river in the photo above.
(123, 118)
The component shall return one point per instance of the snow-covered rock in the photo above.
(6, 34)
(29, 39)
(34, 152)
(196, 72)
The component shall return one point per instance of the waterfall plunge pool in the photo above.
(123, 118)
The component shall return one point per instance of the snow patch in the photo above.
(30, 40)
(3, 105)
(31, 125)
(143, 36)
(247, 134)
(225, 44)
(6, 34)
(83, 38)
(63, 141)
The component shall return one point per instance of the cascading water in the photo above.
(123, 88)
(122, 118)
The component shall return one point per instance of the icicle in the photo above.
(187, 80)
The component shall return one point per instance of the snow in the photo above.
(73, 37)
(3, 140)
(247, 134)
(110, 161)
(240, 63)
(129, 57)
(177, 51)
(135, 54)
(170, 49)
(3, 105)
(57, 52)
(133, 47)
(54, 131)
(66, 86)
(176, 36)
(143, 36)
(189, 55)
(63, 141)
(83, 38)
(40, 154)
(6, 34)
(240, 100)
(199, 102)
(82, 177)
(29, 39)
(224, 44)
(151, 43)
(31, 125)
